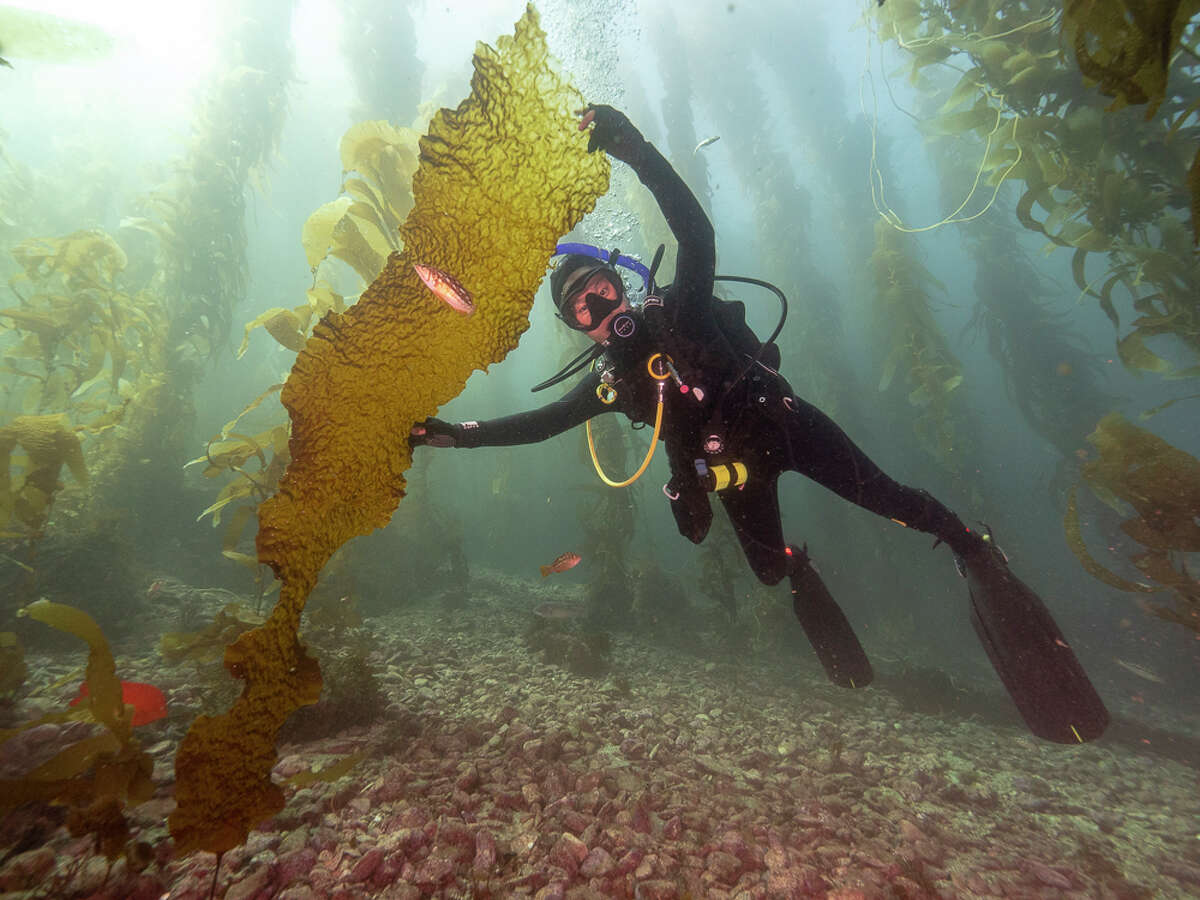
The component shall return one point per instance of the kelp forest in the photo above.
(237, 605)
(1085, 115)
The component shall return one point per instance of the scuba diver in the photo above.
(687, 363)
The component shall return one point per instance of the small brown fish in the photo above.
(446, 288)
(1140, 671)
(568, 560)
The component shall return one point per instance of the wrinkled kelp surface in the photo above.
(366, 375)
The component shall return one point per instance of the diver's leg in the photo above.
(818, 449)
(754, 511)
(1022, 640)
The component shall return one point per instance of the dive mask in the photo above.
(598, 305)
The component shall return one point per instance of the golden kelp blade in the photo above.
(106, 771)
(1127, 48)
(104, 696)
(386, 362)
(51, 443)
(27, 34)
(1161, 483)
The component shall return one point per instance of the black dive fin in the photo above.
(827, 627)
(1030, 654)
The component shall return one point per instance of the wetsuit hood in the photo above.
(574, 270)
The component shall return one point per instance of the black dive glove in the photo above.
(613, 133)
(435, 433)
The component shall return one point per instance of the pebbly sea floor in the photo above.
(487, 772)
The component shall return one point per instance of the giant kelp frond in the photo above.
(379, 160)
(1125, 46)
(49, 443)
(500, 179)
(84, 352)
(98, 776)
(1139, 471)
(72, 303)
(230, 451)
(199, 216)
(85, 258)
(379, 47)
(1120, 184)
(1005, 55)
(915, 343)
(208, 644)
(288, 326)
(361, 227)
(1051, 376)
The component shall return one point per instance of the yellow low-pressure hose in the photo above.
(658, 417)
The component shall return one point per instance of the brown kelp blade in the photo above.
(1031, 656)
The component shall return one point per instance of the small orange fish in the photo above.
(561, 564)
(446, 288)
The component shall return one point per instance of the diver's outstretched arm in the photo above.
(573, 408)
(697, 258)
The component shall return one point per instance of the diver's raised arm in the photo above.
(697, 258)
(573, 408)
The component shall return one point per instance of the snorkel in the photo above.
(609, 258)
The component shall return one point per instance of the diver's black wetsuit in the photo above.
(759, 419)
(738, 408)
